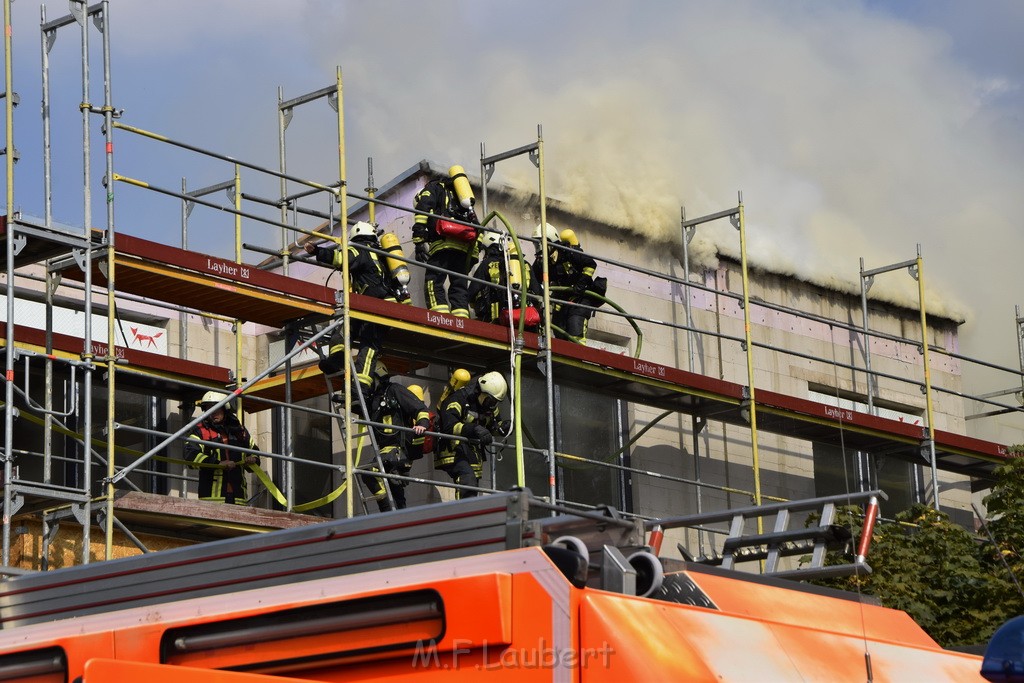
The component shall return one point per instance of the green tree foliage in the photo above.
(934, 572)
(1005, 508)
(953, 583)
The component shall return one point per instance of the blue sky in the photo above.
(852, 128)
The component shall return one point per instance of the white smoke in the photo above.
(850, 133)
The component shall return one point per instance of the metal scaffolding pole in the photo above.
(47, 222)
(918, 274)
(9, 358)
(80, 16)
(283, 119)
(107, 112)
(350, 482)
(487, 164)
(371, 192)
(736, 217)
(866, 280)
(285, 111)
(739, 223)
(236, 326)
(186, 209)
(915, 269)
(549, 374)
(696, 425)
(1020, 345)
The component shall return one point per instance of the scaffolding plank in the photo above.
(646, 382)
(41, 243)
(157, 366)
(163, 510)
(308, 382)
(214, 285)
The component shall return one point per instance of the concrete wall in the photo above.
(786, 464)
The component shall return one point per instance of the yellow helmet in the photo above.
(416, 390)
(569, 237)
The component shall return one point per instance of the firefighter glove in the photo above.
(422, 251)
(481, 434)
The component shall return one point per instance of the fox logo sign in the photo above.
(143, 338)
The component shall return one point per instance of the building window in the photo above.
(587, 426)
(313, 436)
(837, 471)
(133, 408)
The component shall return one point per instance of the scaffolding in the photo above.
(234, 293)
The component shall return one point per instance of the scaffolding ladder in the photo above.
(770, 547)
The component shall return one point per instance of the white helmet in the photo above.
(549, 229)
(362, 229)
(494, 385)
(212, 397)
(490, 237)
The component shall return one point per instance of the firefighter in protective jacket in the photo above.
(369, 276)
(472, 412)
(222, 479)
(569, 266)
(444, 244)
(393, 404)
(491, 304)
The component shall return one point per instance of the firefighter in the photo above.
(491, 304)
(472, 412)
(441, 243)
(489, 301)
(223, 480)
(393, 404)
(368, 275)
(569, 266)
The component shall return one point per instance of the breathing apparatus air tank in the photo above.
(462, 188)
(459, 379)
(515, 268)
(399, 270)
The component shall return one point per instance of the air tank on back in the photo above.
(462, 188)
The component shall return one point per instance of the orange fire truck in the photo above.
(500, 587)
